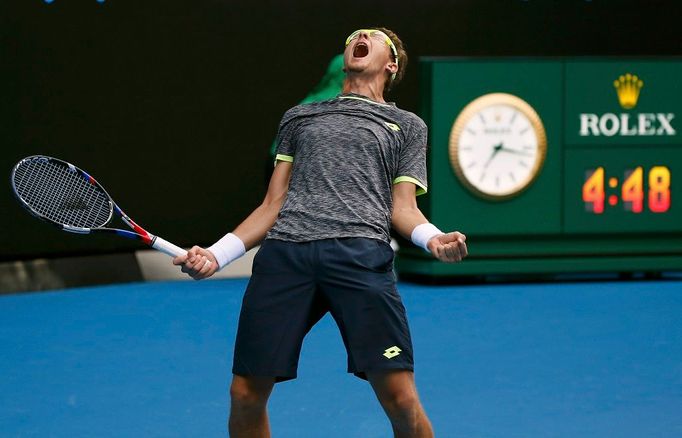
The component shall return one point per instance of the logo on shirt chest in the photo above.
(393, 126)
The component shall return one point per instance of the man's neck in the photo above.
(372, 89)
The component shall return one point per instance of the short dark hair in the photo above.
(402, 58)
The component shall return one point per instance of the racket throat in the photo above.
(145, 236)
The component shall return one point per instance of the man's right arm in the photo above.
(254, 228)
(250, 232)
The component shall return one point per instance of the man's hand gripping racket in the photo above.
(198, 263)
(69, 198)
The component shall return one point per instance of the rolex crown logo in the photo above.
(628, 86)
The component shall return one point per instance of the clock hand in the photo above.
(496, 150)
(516, 152)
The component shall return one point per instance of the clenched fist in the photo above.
(448, 247)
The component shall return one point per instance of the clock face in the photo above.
(497, 146)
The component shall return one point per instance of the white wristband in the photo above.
(227, 249)
(423, 233)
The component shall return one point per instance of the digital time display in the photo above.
(622, 190)
(631, 193)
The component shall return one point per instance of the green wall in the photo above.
(554, 226)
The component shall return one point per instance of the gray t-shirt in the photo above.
(347, 153)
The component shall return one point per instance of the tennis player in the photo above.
(347, 169)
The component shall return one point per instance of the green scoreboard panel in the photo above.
(553, 165)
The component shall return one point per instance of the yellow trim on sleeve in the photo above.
(421, 188)
(282, 157)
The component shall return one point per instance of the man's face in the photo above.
(367, 51)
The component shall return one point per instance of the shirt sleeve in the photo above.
(412, 160)
(286, 144)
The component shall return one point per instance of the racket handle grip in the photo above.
(167, 248)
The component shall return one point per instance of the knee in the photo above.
(247, 397)
(402, 403)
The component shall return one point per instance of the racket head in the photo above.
(62, 194)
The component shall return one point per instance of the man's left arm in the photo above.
(410, 223)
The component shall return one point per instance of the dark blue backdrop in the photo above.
(172, 105)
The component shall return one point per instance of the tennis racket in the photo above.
(64, 195)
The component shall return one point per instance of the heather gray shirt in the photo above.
(347, 153)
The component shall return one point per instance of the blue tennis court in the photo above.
(580, 359)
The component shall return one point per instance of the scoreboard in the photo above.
(553, 165)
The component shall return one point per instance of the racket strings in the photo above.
(78, 197)
(60, 194)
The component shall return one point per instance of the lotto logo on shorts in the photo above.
(392, 352)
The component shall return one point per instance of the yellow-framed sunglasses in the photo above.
(372, 33)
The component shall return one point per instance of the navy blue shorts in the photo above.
(293, 285)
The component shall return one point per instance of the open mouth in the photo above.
(360, 50)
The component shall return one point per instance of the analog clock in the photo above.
(497, 146)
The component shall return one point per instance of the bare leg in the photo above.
(248, 410)
(397, 394)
